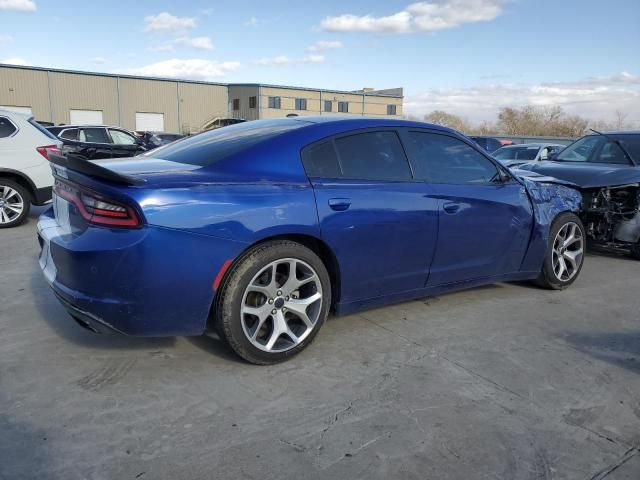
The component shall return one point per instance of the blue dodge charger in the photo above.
(260, 229)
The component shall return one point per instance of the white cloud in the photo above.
(203, 43)
(283, 60)
(252, 22)
(322, 45)
(5, 40)
(193, 69)
(15, 61)
(314, 58)
(279, 60)
(99, 60)
(429, 16)
(19, 5)
(165, 22)
(595, 98)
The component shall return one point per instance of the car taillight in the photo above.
(96, 208)
(47, 149)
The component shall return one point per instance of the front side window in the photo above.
(301, 103)
(443, 159)
(602, 149)
(6, 127)
(373, 156)
(343, 107)
(94, 135)
(328, 106)
(122, 138)
(274, 102)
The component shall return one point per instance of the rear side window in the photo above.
(443, 159)
(320, 160)
(71, 134)
(6, 127)
(209, 147)
(373, 156)
(94, 135)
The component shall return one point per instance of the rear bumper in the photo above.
(145, 282)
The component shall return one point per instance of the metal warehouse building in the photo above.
(141, 103)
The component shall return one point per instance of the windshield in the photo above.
(601, 149)
(209, 147)
(516, 153)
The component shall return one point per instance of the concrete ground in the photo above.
(502, 382)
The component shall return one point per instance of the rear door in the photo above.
(124, 144)
(484, 222)
(373, 214)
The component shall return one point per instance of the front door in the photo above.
(484, 218)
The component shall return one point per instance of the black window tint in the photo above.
(6, 127)
(212, 146)
(444, 159)
(94, 135)
(320, 160)
(373, 156)
(71, 134)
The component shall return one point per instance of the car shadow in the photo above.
(212, 344)
(620, 349)
(56, 317)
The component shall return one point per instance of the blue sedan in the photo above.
(260, 229)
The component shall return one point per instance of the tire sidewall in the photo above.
(557, 224)
(26, 201)
(232, 295)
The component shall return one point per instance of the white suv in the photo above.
(25, 174)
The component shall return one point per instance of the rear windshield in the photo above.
(516, 153)
(42, 130)
(209, 147)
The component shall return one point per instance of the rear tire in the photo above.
(15, 203)
(565, 253)
(635, 251)
(265, 312)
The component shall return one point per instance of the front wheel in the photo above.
(273, 302)
(565, 253)
(15, 203)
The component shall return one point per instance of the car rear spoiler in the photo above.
(91, 169)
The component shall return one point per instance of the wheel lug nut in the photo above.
(279, 293)
(273, 312)
(284, 309)
(286, 298)
(270, 300)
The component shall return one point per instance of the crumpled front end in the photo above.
(548, 201)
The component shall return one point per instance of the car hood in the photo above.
(586, 175)
(539, 177)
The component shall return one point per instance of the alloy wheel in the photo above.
(11, 204)
(281, 305)
(568, 251)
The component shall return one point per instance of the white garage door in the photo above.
(152, 122)
(85, 117)
(25, 110)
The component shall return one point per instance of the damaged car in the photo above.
(259, 229)
(605, 167)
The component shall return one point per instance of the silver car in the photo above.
(514, 155)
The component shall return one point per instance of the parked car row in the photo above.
(514, 155)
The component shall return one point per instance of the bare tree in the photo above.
(438, 117)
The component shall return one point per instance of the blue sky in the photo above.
(466, 56)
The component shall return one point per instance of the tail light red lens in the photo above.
(47, 149)
(96, 208)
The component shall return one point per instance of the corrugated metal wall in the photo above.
(200, 104)
(26, 88)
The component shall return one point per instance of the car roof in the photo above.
(63, 127)
(532, 145)
(619, 132)
(350, 122)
